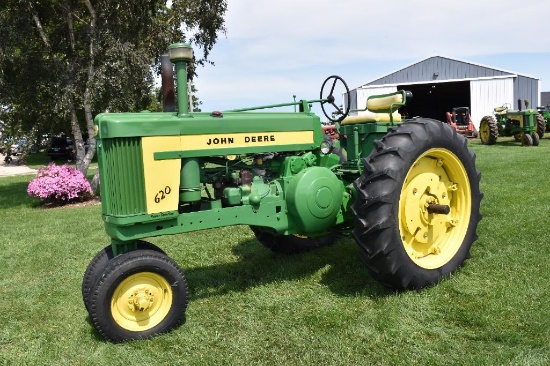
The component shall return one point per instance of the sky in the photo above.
(273, 50)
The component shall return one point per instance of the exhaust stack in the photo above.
(168, 87)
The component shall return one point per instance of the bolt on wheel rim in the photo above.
(436, 179)
(141, 301)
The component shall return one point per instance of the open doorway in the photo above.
(433, 100)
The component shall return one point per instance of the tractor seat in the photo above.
(371, 117)
(500, 109)
(378, 109)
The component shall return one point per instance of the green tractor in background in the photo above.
(527, 125)
(406, 191)
(545, 112)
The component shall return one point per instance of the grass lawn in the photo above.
(251, 306)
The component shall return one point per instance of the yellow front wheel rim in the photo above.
(436, 179)
(141, 301)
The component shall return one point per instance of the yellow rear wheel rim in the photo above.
(432, 239)
(484, 131)
(141, 301)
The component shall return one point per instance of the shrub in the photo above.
(60, 185)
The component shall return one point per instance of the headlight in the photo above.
(326, 146)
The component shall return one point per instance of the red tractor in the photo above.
(331, 131)
(461, 120)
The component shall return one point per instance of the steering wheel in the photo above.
(335, 83)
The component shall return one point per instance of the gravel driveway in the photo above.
(7, 170)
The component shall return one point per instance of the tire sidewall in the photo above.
(93, 272)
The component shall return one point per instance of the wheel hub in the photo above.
(425, 191)
(141, 300)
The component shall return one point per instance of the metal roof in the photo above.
(440, 69)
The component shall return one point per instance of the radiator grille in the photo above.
(124, 176)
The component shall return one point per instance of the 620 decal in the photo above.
(162, 194)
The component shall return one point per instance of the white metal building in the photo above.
(440, 83)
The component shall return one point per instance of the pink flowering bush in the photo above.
(60, 185)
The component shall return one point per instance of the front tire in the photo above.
(420, 166)
(142, 293)
(526, 140)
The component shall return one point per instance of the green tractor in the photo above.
(407, 192)
(527, 126)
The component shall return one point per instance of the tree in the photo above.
(63, 61)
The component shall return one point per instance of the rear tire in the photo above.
(488, 130)
(420, 163)
(541, 125)
(141, 294)
(290, 244)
